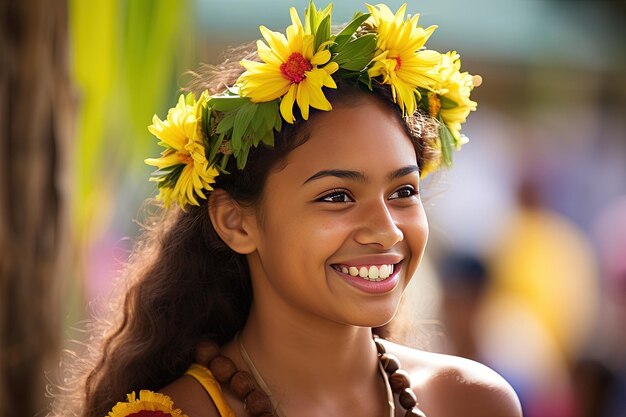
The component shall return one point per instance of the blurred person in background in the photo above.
(541, 306)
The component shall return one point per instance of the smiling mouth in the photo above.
(374, 273)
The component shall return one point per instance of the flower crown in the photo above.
(201, 134)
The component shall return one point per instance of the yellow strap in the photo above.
(204, 376)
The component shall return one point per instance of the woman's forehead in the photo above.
(359, 137)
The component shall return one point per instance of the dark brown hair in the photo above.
(184, 285)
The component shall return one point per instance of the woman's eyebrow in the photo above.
(399, 173)
(359, 176)
(339, 173)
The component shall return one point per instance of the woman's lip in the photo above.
(371, 260)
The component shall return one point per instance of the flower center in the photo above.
(295, 67)
(184, 157)
(398, 63)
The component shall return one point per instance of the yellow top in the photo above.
(161, 405)
(204, 376)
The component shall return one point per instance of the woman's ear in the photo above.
(231, 222)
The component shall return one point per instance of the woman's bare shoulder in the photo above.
(191, 397)
(448, 385)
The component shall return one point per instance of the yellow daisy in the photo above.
(455, 86)
(149, 404)
(291, 69)
(186, 171)
(400, 59)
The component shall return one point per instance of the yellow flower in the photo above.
(399, 55)
(455, 86)
(291, 69)
(149, 404)
(186, 170)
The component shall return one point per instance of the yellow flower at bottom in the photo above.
(291, 69)
(149, 404)
(400, 59)
(184, 172)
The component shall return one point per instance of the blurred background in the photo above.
(526, 265)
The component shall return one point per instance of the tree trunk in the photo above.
(36, 122)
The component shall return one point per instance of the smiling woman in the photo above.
(290, 233)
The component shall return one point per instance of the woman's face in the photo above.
(341, 228)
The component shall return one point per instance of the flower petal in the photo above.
(286, 104)
(302, 98)
(321, 57)
(276, 41)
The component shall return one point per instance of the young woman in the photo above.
(293, 226)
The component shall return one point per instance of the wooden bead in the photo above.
(414, 412)
(390, 362)
(399, 380)
(242, 384)
(223, 368)
(205, 352)
(407, 398)
(258, 403)
(384, 359)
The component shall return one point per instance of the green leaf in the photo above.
(447, 143)
(215, 147)
(356, 54)
(278, 122)
(322, 34)
(447, 103)
(268, 120)
(243, 156)
(207, 121)
(256, 138)
(222, 166)
(268, 138)
(168, 176)
(346, 34)
(226, 124)
(227, 103)
(273, 115)
(263, 118)
(272, 110)
(310, 14)
(243, 117)
(258, 121)
(365, 79)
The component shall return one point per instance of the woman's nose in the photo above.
(377, 226)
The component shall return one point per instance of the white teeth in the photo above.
(371, 273)
(384, 271)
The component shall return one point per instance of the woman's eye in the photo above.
(336, 197)
(404, 192)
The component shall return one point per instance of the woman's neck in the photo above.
(311, 360)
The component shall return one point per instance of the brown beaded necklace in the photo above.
(256, 396)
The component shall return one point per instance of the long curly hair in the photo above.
(183, 284)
